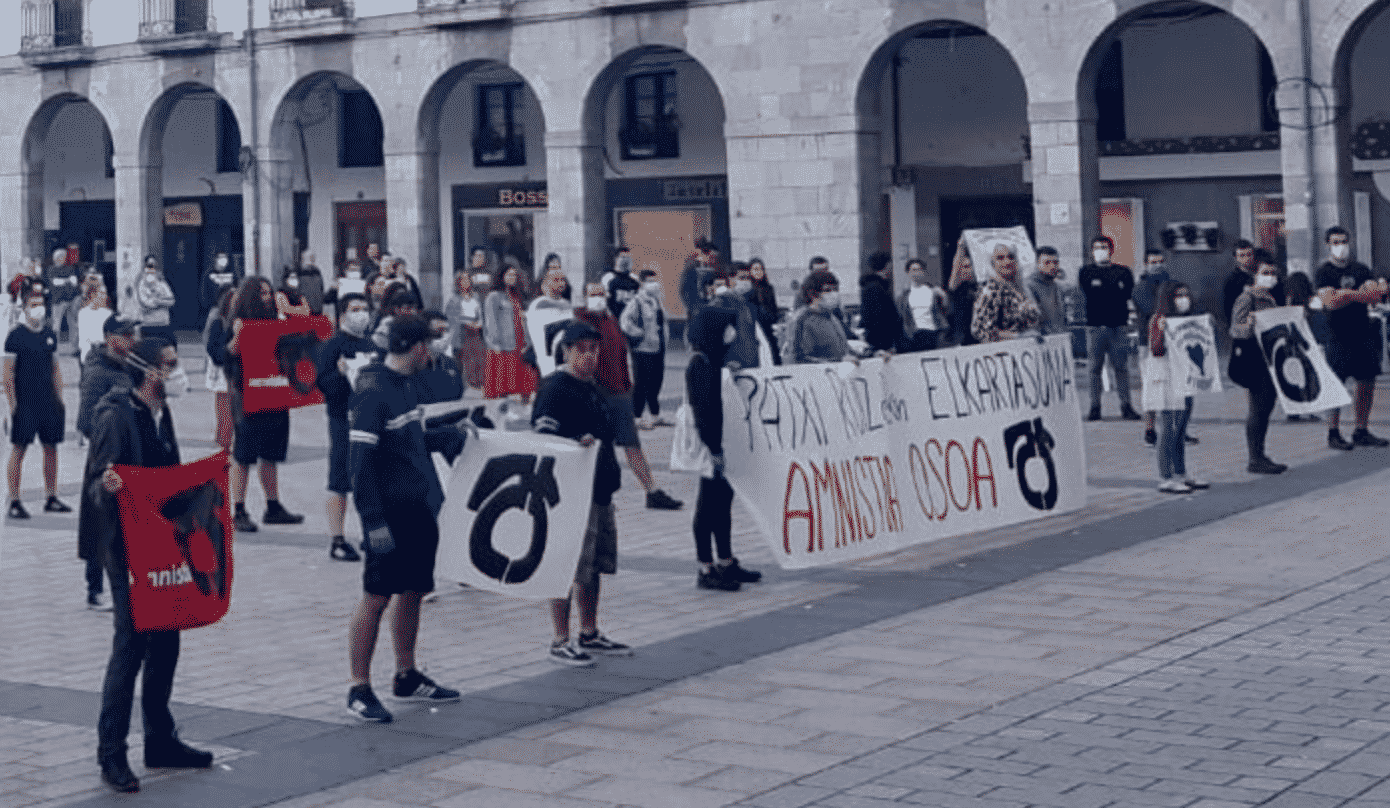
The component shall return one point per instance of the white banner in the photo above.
(980, 244)
(838, 462)
(1194, 364)
(536, 321)
(515, 510)
(1302, 378)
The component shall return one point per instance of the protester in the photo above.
(816, 333)
(156, 298)
(1173, 300)
(1043, 288)
(260, 437)
(1151, 278)
(644, 323)
(348, 282)
(92, 314)
(1107, 287)
(441, 380)
(504, 335)
(1247, 367)
(1299, 292)
(704, 259)
(570, 405)
(878, 314)
(399, 302)
(1003, 311)
(133, 427)
(339, 361)
(762, 302)
(215, 332)
(63, 279)
(289, 301)
(922, 309)
(221, 278)
(311, 282)
(731, 294)
(1346, 289)
(34, 389)
(623, 286)
(1240, 277)
(963, 288)
(611, 376)
(465, 312)
(711, 332)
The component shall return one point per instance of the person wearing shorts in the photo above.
(34, 388)
(398, 497)
(340, 359)
(570, 404)
(1346, 287)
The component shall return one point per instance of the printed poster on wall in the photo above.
(515, 510)
(838, 463)
(1302, 378)
(277, 361)
(1193, 362)
(980, 244)
(177, 526)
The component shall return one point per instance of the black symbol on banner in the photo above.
(290, 350)
(1198, 356)
(534, 490)
(194, 510)
(1036, 442)
(1282, 343)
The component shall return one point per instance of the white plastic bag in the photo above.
(688, 452)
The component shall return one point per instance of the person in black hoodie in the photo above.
(711, 332)
(883, 325)
(340, 358)
(133, 427)
(398, 497)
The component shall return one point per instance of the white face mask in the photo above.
(175, 383)
(36, 313)
(1153, 268)
(354, 274)
(440, 345)
(1182, 304)
(221, 262)
(293, 283)
(730, 334)
(356, 322)
(653, 287)
(597, 303)
(830, 300)
(1341, 251)
(1266, 281)
(1101, 256)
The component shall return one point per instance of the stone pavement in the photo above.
(783, 694)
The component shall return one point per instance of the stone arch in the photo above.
(33, 166)
(1359, 124)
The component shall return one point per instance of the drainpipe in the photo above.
(252, 164)
(1305, 25)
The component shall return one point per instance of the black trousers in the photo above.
(158, 653)
(648, 371)
(1262, 398)
(713, 519)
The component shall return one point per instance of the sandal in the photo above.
(342, 551)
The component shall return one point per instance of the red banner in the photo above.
(277, 362)
(178, 538)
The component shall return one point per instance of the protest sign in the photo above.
(980, 244)
(515, 511)
(1302, 378)
(1193, 361)
(277, 362)
(178, 539)
(536, 321)
(838, 462)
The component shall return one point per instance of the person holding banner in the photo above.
(1161, 390)
(1247, 367)
(544, 316)
(923, 310)
(1003, 311)
(1346, 288)
(571, 404)
(133, 427)
(879, 316)
(398, 498)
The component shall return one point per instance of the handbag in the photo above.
(1247, 363)
(688, 452)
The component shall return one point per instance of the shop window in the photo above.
(650, 125)
(360, 131)
(228, 139)
(1110, 95)
(498, 139)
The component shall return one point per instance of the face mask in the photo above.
(354, 275)
(356, 322)
(730, 334)
(481, 278)
(721, 289)
(743, 286)
(221, 262)
(293, 283)
(653, 287)
(440, 345)
(597, 304)
(36, 313)
(1341, 251)
(176, 383)
(1182, 304)
(1153, 268)
(830, 300)
(1101, 256)
(1266, 281)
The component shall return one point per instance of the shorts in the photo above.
(44, 422)
(1357, 358)
(600, 552)
(339, 450)
(409, 567)
(624, 419)
(261, 436)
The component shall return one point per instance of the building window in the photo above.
(190, 16)
(67, 23)
(360, 131)
(228, 139)
(497, 135)
(108, 152)
(1110, 95)
(650, 126)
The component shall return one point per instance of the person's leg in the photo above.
(94, 575)
(335, 508)
(237, 483)
(1119, 362)
(702, 524)
(721, 517)
(637, 461)
(1179, 446)
(222, 406)
(586, 600)
(362, 631)
(639, 383)
(658, 377)
(560, 618)
(405, 629)
(50, 470)
(1096, 347)
(118, 687)
(269, 473)
(1365, 397)
(157, 685)
(1257, 421)
(16, 465)
(1165, 445)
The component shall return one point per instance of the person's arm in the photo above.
(365, 426)
(1156, 344)
(217, 343)
(1370, 293)
(282, 304)
(57, 383)
(1243, 316)
(9, 382)
(630, 322)
(986, 314)
(234, 344)
(330, 381)
(961, 270)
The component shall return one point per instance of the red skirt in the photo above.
(473, 357)
(508, 375)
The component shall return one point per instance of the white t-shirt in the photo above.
(922, 301)
(89, 328)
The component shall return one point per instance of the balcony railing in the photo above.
(177, 25)
(51, 24)
(293, 11)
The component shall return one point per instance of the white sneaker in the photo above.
(1196, 484)
(1174, 487)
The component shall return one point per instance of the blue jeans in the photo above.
(1109, 341)
(1172, 443)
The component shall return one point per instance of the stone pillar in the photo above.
(578, 205)
(412, 217)
(1066, 181)
(139, 223)
(1315, 165)
(15, 215)
(275, 173)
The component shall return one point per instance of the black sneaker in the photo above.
(275, 514)
(662, 501)
(175, 754)
(1363, 437)
(717, 580)
(565, 653)
(599, 644)
(1150, 437)
(340, 550)
(1094, 414)
(1335, 441)
(97, 602)
(1263, 465)
(480, 419)
(416, 686)
(55, 505)
(116, 773)
(364, 704)
(738, 573)
(243, 523)
(1127, 413)
(17, 510)
(1189, 440)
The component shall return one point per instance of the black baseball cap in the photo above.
(577, 330)
(115, 325)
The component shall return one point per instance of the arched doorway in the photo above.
(1363, 132)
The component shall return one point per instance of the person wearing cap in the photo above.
(398, 497)
(104, 368)
(570, 404)
(34, 388)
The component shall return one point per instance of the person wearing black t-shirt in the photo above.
(1108, 287)
(34, 387)
(1347, 288)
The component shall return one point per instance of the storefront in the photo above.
(507, 219)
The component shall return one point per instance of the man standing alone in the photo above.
(1346, 288)
(1107, 287)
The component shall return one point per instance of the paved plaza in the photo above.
(1206, 651)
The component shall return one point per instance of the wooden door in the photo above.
(662, 239)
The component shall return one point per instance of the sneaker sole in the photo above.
(430, 699)
(571, 663)
(367, 719)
